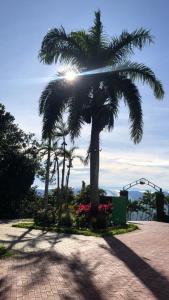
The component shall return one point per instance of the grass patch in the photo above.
(4, 252)
(85, 231)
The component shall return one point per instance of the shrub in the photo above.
(66, 219)
(102, 220)
(45, 217)
(84, 195)
(64, 195)
(31, 203)
(82, 221)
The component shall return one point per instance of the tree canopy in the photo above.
(18, 163)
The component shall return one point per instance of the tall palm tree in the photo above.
(108, 76)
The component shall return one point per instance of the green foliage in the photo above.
(66, 219)
(60, 209)
(45, 216)
(84, 195)
(18, 164)
(16, 176)
(145, 206)
(102, 220)
(65, 196)
(4, 252)
(82, 221)
(31, 203)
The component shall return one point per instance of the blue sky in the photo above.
(22, 78)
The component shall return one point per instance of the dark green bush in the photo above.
(45, 217)
(31, 203)
(66, 219)
(102, 221)
(82, 221)
(84, 195)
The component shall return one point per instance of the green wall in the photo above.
(119, 210)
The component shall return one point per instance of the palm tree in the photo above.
(70, 154)
(108, 76)
(50, 148)
(45, 150)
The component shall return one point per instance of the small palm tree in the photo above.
(50, 148)
(108, 77)
(45, 150)
(64, 131)
(70, 155)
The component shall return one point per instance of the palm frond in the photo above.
(124, 87)
(112, 96)
(99, 39)
(122, 46)
(80, 157)
(77, 103)
(57, 44)
(61, 129)
(141, 72)
(75, 119)
(133, 101)
(52, 104)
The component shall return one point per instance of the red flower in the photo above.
(84, 208)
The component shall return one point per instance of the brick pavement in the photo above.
(130, 266)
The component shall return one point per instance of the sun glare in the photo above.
(70, 75)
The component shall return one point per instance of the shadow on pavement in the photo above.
(152, 279)
(5, 288)
(43, 267)
(76, 272)
(58, 273)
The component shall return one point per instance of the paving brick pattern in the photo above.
(130, 266)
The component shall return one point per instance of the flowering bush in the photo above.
(102, 219)
(85, 208)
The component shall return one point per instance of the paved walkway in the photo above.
(130, 266)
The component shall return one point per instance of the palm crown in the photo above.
(96, 94)
(106, 76)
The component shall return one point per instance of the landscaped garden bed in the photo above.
(85, 231)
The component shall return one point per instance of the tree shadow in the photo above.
(5, 288)
(17, 239)
(83, 276)
(76, 270)
(68, 270)
(30, 240)
(152, 279)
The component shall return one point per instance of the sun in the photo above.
(70, 75)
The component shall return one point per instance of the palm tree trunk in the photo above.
(94, 168)
(47, 172)
(64, 162)
(67, 177)
(58, 177)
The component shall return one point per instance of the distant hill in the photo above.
(133, 195)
